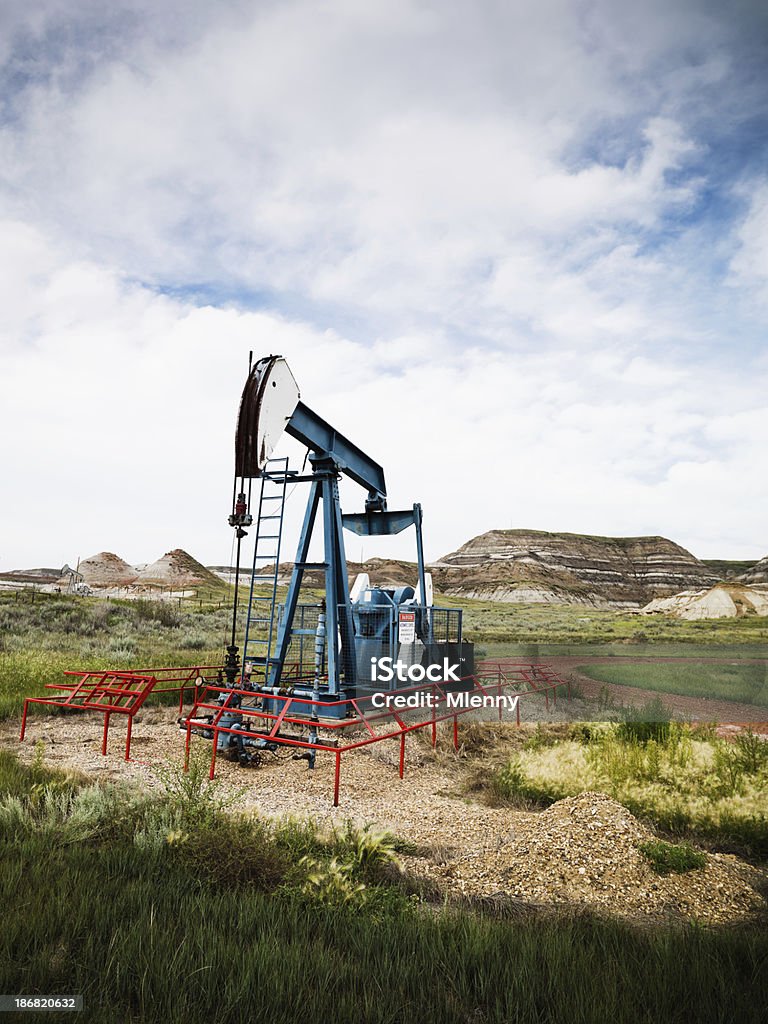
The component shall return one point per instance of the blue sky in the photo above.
(522, 245)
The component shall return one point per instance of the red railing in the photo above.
(121, 693)
(344, 721)
(184, 677)
(340, 717)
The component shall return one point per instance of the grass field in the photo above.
(633, 651)
(747, 684)
(169, 909)
(491, 622)
(41, 639)
(682, 779)
(41, 635)
(165, 911)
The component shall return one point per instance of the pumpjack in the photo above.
(325, 651)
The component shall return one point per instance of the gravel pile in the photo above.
(584, 850)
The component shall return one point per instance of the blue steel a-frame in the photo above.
(331, 456)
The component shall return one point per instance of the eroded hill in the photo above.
(566, 568)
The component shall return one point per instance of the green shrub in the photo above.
(157, 611)
(298, 837)
(650, 722)
(367, 848)
(194, 641)
(728, 775)
(30, 782)
(333, 882)
(511, 786)
(63, 814)
(541, 737)
(192, 794)
(669, 858)
(751, 752)
(621, 759)
(584, 732)
(230, 850)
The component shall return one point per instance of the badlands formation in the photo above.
(651, 574)
(725, 601)
(568, 568)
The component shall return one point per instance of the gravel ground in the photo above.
(582, 850)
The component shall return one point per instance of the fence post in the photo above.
(336, 774)
(213, 752)
(187, 745)
(128, 738)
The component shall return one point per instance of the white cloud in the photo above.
(342, 153)
(472, 228)
(750, 262)
(121, 412)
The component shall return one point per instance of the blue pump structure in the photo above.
(328, 650)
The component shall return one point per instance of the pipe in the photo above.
(319, 657)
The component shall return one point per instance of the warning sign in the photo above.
(407, 628)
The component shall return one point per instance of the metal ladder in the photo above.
(262, 609)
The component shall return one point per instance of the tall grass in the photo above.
(146, 935)
(40, 640)
(683, 782)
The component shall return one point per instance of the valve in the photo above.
(241, 516)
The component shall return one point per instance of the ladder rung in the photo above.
(269, 536)
(263, 519)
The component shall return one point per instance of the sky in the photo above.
(518, 253)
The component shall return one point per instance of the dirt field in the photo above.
(581, 851)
